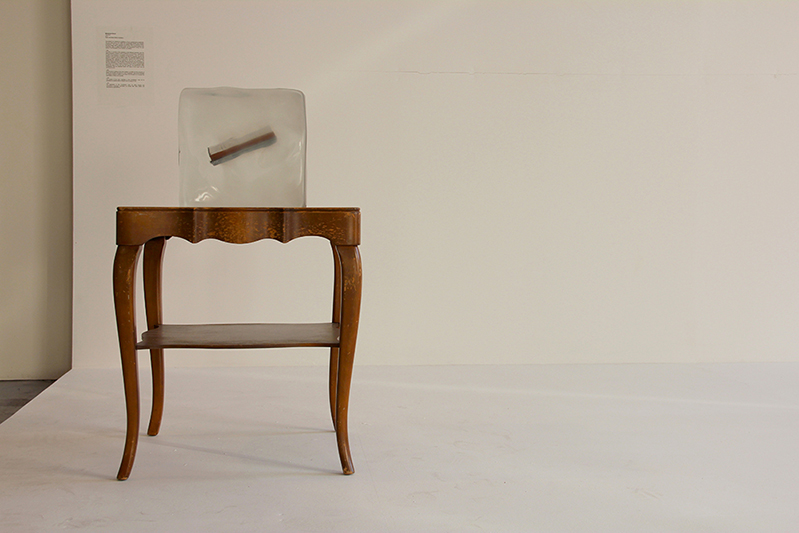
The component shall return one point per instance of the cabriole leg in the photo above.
(124, 303)
(153, 261)
(334, 351)
(350, 312)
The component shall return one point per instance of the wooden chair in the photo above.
(150, 227)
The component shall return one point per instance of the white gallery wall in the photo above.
(540, 182)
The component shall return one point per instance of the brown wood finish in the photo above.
(238, 225)
(153, 261)
(125, 305)
(350, 260)
(333, 373)
(152, 226)
(240, 336)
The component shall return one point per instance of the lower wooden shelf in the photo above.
(240, 336)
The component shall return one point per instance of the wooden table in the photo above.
(152, 226)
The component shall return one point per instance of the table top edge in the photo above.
(233, 209)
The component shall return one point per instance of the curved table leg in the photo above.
(124, 304)
(153, 261)
(334, 351)
(350, 313)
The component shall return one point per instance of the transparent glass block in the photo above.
(241, 147)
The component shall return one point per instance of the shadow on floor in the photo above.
(14, 394)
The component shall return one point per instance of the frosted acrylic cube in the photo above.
(242, 147)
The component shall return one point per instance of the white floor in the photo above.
(450, 448)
